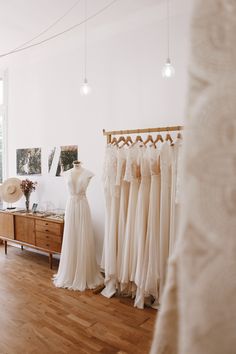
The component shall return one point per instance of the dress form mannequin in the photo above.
(76, 170)
(78, 268)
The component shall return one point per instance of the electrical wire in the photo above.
(168, 26)
(60, 33)
(49, 27)
(85, 40)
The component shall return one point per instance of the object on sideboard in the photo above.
(27, 186)
(34, 207)
(11, 191)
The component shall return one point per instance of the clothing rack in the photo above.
(140, 131)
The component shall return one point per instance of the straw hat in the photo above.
(11, 191)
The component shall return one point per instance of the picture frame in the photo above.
(60, 159)
(28, 161)
(34, 207)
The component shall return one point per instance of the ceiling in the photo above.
(21, 20)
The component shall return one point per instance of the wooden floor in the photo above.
(36, 317)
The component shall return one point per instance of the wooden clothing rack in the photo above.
(109, 134)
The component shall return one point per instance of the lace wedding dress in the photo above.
(149, 283)
(78, 268)
(131, 176)
(112, 197)
(141, 219)
(198, 308)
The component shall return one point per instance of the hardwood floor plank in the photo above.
(38, 318)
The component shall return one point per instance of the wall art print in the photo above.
(28, 161)
(61, 159)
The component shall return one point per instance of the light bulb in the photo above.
(85, 88)
(168, 70)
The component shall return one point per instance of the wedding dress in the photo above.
(198, 307)
(131, 175)
(112, 195)
(174, 208)
(78, 268)
(150, 268)
(109, 175)
(165, 161)
(124, 199)
(141, 219)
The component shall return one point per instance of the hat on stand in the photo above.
(10, 190)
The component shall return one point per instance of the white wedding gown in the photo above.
(165, 205)
(78, 268)
(141, 219)
(108, 262)
(149, 284)
(176, 158)
(128, 247)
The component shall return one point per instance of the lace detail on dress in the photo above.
(153, 157)
(131, 170)
(121, 165)
(165, 155)
(110, 166)
(143, 162)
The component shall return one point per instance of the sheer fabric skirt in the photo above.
(78, 268)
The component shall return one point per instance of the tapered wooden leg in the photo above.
(5, 244)
(50, 260)
(22, 247)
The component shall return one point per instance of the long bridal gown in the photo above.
(141, 219)
(176, 162)
(131, 175)
(78, 268)
(124, 200)
(108, 262)
(165, 207)
(149, 284)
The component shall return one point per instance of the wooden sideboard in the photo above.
(44, 234)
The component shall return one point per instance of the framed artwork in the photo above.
(28, 161)
(61, 159)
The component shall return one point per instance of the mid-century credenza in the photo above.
(37, 232)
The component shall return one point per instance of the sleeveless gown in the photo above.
(150, 268)
(129, 235)
(78, 268)
(108, 262)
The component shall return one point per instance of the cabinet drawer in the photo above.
(48, 227)
(24, 229)
(7, 225)
(48, 242)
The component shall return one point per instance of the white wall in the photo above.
(125, 57)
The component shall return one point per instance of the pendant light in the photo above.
(85, 88)
(168, 70)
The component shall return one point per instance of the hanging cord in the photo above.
(60, 33)
(85, 40)
(168, 27)
(48, 28)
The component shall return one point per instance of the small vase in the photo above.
(27, 197)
